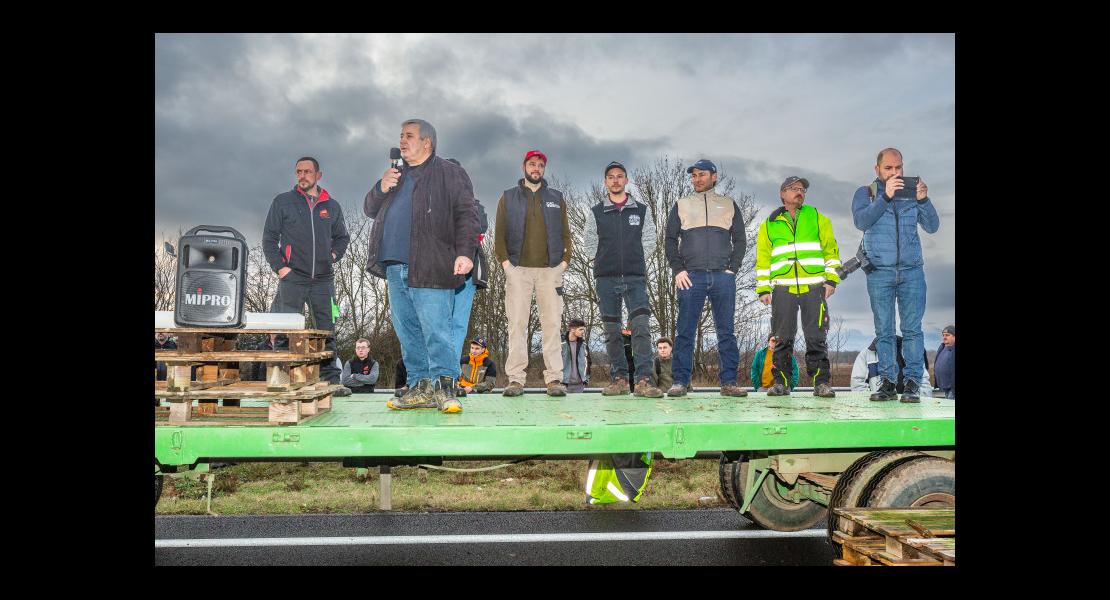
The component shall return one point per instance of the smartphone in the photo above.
(910, 191)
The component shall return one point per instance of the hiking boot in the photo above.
(397, 393)
(677, 390)
(910, 391)
(824, 390)
(342, 391)
(556, 388)
(460, 391)
(513, 389)
(619, 387)
(419, 396)
(732, 389)
(886, 391)
(778, 390)
(645, 389)
(445, 395)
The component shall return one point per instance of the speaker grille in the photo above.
(207, 299)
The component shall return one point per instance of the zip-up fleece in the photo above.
(444, 223)
(889, 227)
(711, 231)
(619, 234)
(301, 233)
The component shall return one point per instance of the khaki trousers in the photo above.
(520, 283)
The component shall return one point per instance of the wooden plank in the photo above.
(178, 357)
(207, 344)
(180, 412)
(312, 373)
(179, 331)
(299, 343)
(309, 407)
(178, 378)
(285, 412)
(208, 373)
(188, 342)
(894, 561)
(942, 549)
(324, 404)
(249, 390)
(207, 407)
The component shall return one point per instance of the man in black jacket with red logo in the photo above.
(304, 235)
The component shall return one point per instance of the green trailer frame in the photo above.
(787, 436)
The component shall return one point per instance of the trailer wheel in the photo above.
(921, 481)
(771, 510)
(157, 488)
(850, 488)
(728, 471)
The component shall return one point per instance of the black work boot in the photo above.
(445, 395)
(886, 391)
(778, 390)
(823, 390)
(910, 391)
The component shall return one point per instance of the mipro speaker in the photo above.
(211, 273)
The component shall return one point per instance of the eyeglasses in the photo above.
(796, 188)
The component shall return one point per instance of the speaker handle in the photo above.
(218, 229)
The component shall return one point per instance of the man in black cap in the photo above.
(795, 270)
(478, 371)
(618, 236)
(944, 367)
(711, 231)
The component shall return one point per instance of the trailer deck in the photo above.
(577, 424)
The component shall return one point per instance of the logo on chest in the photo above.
(634, 220)
(552, 205)
(323, 213)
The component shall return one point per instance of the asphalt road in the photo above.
(595, 537)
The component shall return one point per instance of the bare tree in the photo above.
(165, 275)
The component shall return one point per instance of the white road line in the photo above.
(518, 538)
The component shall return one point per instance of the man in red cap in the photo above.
(532, 243)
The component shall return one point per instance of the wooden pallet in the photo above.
(899, 537)
(285, 407)
(292, 376)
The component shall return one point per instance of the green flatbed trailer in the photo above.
(781, 458)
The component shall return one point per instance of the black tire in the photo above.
(851, 487)
(157, 488)
(922, 481)
(728, 471)
(770, 510)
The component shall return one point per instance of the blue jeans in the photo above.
(419, 314)
(720, 288)
(460, 314)
(907, 288)
(633, 291)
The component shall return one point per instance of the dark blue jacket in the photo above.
(301, 235)
(889, 227)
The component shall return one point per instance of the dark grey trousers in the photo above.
(292, 293)
(815, 325)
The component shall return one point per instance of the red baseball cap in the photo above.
(532, 153)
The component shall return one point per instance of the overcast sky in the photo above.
(232, 113)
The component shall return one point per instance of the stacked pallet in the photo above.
(292, 387)
(899, 537)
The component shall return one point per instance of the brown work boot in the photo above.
(619, 387)
(733, 390)
(677, 390)
(513, 389)
(556, 388)
(645, 389)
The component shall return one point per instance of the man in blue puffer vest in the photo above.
(889, 223)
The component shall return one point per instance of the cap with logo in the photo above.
(532, 153)
(704, 165)
(481, 341)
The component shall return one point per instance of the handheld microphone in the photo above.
(395, 161)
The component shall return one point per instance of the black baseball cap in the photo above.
(792, 180)
(481, 341)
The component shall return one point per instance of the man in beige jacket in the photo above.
(532, 243)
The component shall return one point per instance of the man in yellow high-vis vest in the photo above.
(795, 269)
